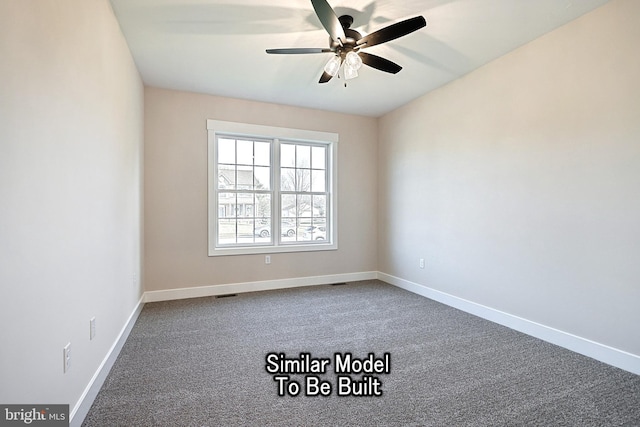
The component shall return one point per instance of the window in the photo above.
(270, 189)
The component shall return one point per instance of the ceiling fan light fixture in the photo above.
(353, 60)
(332, 66)
(350, 72)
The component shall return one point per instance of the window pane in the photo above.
(262, 153)
(318, 157)
(263, 207)
(303, 180)
(226, 231)
(303, 156)
(262, 178)
(287, 179)
(244, 177)
(304, 205)
(226, 177)
(287, 155)
(319, 206)
(245, 230)
(245, 152)
(318, 232)
(288, 205)
(318, 180)
(245, 205)
(263, 230)
(288, 229)
(313, 233)
(226, 150)
(227, 205)
(304, 233)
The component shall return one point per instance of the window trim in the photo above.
(215, 127)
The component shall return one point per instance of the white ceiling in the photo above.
(218, 46)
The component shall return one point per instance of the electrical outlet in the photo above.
(267, 259)
(66, 355)
(421, 262)
(92, 328)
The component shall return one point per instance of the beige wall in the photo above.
(520, 183)
(176, 192)
(70, 194)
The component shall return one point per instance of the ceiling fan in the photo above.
(346, 44)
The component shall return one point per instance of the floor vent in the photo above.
(338, 284)
(226, 296)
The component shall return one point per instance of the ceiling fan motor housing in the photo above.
(352, 37)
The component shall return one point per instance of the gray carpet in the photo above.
(201, 362)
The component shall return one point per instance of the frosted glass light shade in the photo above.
(332, 66)
(350, 72)
(353, 60)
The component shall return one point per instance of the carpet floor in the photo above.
(203, 362)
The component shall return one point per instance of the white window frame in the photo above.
(277, 134)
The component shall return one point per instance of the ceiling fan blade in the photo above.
(393, 31)
(329, 19)
(325, 77)
(379, 63)
(299, 50)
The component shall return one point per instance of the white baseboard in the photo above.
(235, 288)
(609, 355)
(81, 409)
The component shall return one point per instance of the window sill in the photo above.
(256, 250)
